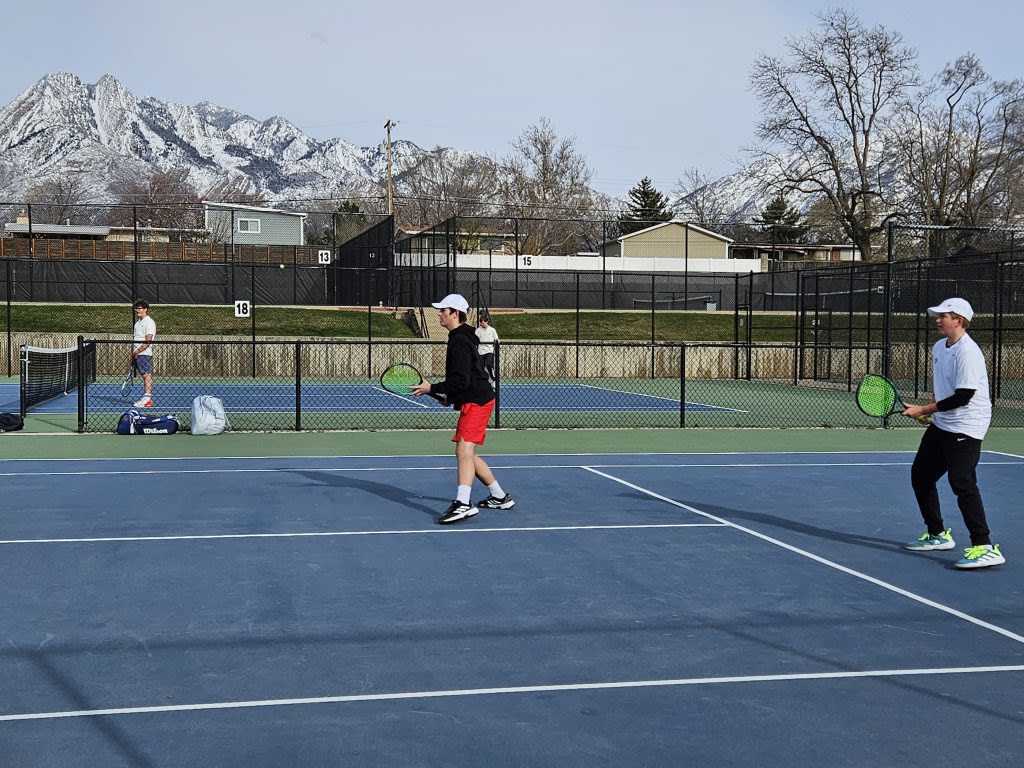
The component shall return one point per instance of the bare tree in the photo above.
(446, 183)
(955, 146)
(544, 182)
(58, 200)
(824, 106)
(823, 224)
(158, 198)
(700, 201)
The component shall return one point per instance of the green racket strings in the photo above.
(400, 379)
(876, 396)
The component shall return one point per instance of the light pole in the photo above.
(391, 182)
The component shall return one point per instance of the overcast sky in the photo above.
(646, 87)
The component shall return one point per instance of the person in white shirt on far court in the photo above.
(960, 412)
(487, 336)
(142, 351)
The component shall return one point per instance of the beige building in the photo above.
(673, 246)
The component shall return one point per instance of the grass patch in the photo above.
(669, 326)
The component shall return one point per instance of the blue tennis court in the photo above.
(360, 398)
(637, 609)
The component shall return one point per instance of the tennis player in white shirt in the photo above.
(142, 351)
(960, 412)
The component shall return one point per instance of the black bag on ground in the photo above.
(11, 422)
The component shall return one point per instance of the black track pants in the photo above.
(944, 452)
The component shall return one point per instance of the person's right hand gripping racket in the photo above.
(919, 413)
(423, 388)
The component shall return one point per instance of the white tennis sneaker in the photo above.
(144, 402)
(505, 502)
(456, 512)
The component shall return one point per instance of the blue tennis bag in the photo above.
(134, 423)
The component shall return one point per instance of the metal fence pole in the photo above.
(298, 386)
(577, 325)
(10, 335)
(81, 384)
(252, 309)
(652, 326)
(887, 319)
(682, 386)
(369, 329)
(515, 295)
(497, 384)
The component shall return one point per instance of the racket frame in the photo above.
(129, 380)
(898, 405)
(439, 398)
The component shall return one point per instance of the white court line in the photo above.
(819, 559)
(719, 408)
(673, 465)
(428, 455)
(1003, 453)
(312, 534)
(412, 695)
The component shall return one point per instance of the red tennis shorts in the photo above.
(472, 426)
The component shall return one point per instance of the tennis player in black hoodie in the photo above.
(467, 390)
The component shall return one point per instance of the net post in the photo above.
(81, 384)
(22, 394)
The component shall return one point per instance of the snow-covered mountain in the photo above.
(102, 131)
(61, 124)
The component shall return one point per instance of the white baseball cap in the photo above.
(959, 306)
(452, 301)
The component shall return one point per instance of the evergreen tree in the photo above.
(785, 220)
(647, 206)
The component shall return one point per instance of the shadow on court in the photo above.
(390, 493)
(828, 534)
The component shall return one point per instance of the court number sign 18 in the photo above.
(323, 257)
(243, 308)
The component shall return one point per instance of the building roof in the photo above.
(678, 223)
(795, 246)
(256, 208)
(58, 229)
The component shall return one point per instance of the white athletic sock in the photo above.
(495, 490)
(463, 495)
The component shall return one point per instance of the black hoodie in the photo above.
(465, 380)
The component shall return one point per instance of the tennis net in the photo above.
(50, 373)
(678, 302)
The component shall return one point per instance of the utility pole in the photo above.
(391, 182)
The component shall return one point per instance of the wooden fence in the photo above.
(112, 250)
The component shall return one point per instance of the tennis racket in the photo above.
(399, 379)
(877, 396)
(129, 379)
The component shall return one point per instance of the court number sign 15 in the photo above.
(243, 308)
(526, 261)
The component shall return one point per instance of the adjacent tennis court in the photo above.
(634, 609)
(361, 398)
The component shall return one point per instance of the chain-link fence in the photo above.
(329, 385)
(210, 283)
